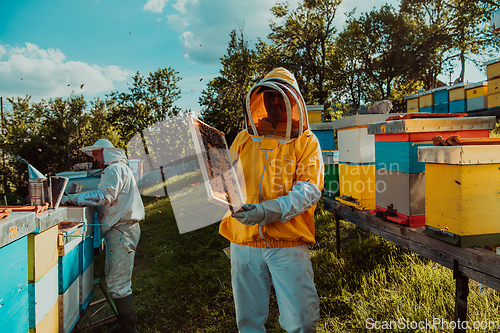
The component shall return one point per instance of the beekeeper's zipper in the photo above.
(260, 192)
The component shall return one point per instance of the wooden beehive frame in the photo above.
(235, 200)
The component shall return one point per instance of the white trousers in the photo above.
(121, 244)
(290, 270)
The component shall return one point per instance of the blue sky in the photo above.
(51, 48)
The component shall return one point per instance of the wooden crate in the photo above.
(355, 145)
(357, 185)
(14, 311)
(86, 287)
(49, 324)
(42, 253)
(69, 307)
(42, 298)
(462, 194)
(405, 192)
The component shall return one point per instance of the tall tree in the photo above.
(393, 50)
(305, 35)
(468, 26)
(224, 99)
(63, 122)
(149, 100)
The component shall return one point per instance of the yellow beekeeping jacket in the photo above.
(273, 160)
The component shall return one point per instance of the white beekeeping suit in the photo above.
(120, 209)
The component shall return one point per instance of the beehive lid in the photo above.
(412, 96)
(15, 226)
(491, 61)
(419, 125)
(353, 121)
(460, 85)
(440, 88)
(476, 85)
(460, 155)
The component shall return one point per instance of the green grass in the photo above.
(182, 282)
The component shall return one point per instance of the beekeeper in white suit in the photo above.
(120, 210)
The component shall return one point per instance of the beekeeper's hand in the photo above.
(260, 213)
(75, 188)
(66, 201)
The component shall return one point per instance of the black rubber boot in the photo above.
(127, 315)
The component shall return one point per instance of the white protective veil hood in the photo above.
(109, 152)
(282, 81)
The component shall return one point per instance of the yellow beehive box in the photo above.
(457, 92)
(42, 298)
(478, 89)
(492, 68)
(494, 101)
(357, 185)
(42, 253)
(50, 323)
(493, 86)
(315, 113)
(413, 110)
(462, 185)
(426, 99)
(412, 102)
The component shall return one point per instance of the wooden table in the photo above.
(474, 263)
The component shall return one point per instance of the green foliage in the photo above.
(149, 100)
(223, 101)
(305, 38)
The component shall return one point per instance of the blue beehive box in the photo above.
(427, 109)
(69, 241)
(14, 312)
(399, 156)
(441, 95)
(326, 139)
(458, 106)
(14, 290)
(441, 108)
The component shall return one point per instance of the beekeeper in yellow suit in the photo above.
(283, 171)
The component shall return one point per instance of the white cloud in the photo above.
(155, 6)
(204, 26)
(180, 24)
(46, 74)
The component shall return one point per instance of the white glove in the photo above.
(69, 200)
(261, 213)
(94, 198)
